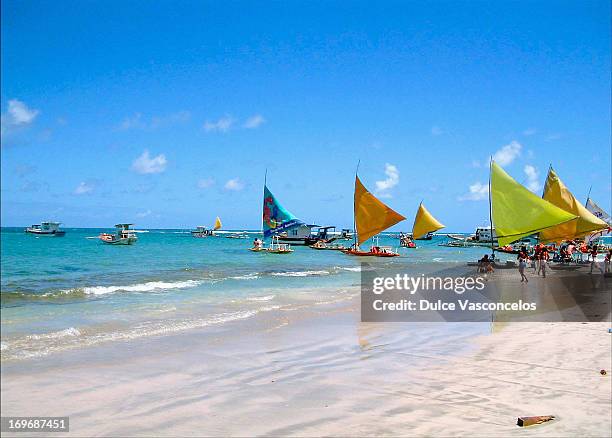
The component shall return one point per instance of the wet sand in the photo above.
(320, 371)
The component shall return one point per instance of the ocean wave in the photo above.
(299, 273)
(253, 276)
(264, 298)
(139, 287)
(44, 344)
(70, 331)
(349, 268)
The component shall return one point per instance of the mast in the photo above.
(491, 208)
(586, 203)
(264, 203)
(354, 219)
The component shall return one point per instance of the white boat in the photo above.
(123, 236)
(46, 228)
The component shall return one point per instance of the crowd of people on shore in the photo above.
(541, 255)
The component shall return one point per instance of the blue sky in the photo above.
(167, 114)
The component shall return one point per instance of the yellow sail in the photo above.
(424, 223)
(371, 215)
(217, 223)
(558, 194)
(518, 212)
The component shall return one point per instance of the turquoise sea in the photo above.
(60, 293)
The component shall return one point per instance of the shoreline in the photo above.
(320, 371)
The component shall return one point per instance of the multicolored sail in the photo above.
(558, 194)
(518, 212)
(424, 223)
(218, 224)
(371, 215)
(276, 218)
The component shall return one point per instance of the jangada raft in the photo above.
(123, 236)
(371, 217)
(274, 248)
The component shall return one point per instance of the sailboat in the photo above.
(371, 217)
(275, 219)
(516, 212)
(559, 195)
(424, 224)
(202, 231)
(218, 224)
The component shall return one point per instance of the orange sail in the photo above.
(371, 215)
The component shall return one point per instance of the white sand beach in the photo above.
(320, 372)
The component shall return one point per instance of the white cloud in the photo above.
(532, 175)
(170, 119)
(478, 192)
(145, 164)
(18, 114)
(383, 187)
(137, 121)
(254, 121)
(508, 153)
(144, 213)
(224, 124)
(132, 122)
(436, 130)
(234, 184)
(529, 131)
(83, 188)
(205, 183)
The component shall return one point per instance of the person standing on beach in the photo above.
(594, 262)
(607, 260)
(536, 258)
(544, 256)
(593, 254)
(522, 259)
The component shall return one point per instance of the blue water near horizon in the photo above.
(59, 291)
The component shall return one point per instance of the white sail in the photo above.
(597, 211)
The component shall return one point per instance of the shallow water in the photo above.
(60, 293)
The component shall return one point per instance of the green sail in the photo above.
(518, 212)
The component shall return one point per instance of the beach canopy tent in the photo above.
(558, 194)
(424, 223)
(518, 212)
(371, 215)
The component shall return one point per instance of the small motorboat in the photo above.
(47, 228)
(123, 236)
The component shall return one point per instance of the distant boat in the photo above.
(47, 228)
(123, 236)
(371, 218)
(202, 231)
